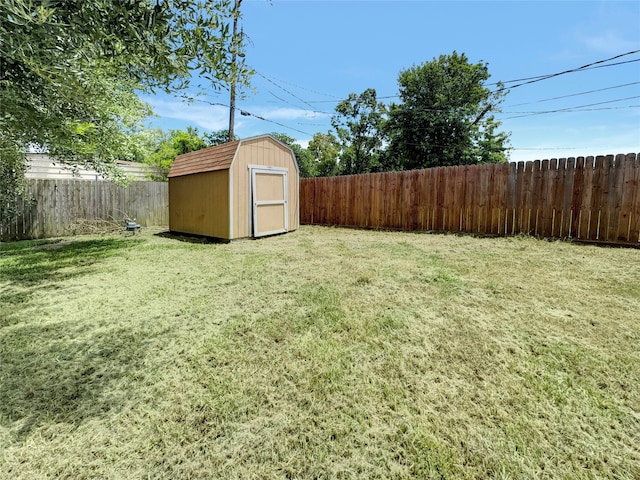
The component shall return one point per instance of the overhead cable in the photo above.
(526, 81)
(245, 113)
(580, 108)
(538, 78)
(574, 94)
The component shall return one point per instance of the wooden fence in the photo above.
(592, 199)
(62, 207)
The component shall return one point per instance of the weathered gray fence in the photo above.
(65, 207)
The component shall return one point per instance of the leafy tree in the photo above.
(324, 149)
(12, 170)
(303, 157)
(173, 144)
(358, 123)
(189, 141)
(70, 70)
(218, 138)
(445, 117)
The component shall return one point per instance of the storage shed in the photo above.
(246, 188)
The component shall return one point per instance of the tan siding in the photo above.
(267, 152)
(241, 194)
(199, 204)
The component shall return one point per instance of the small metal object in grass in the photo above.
(131, 226)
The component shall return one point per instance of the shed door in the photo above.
(269, 195)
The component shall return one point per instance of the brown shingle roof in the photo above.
(209, 159)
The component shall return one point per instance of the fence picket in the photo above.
(635, 219)
(584, 198)
(61, 207)
(626, 198)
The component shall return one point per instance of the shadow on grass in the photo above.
(191, 238)
(61, 371)
(26, 268)
(58, 373)
(32, 263)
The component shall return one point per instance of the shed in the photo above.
(245, 188)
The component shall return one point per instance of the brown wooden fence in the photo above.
(592, 198)
(61, 207)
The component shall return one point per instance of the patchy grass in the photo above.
(324, 353)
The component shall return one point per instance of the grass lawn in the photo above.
(324, 353)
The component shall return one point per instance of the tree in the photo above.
(358, 127)
(218, 138)
(169, 146)
(324, 149)
(445, 116)
(70, 70)
(12, 169)
(303, 158)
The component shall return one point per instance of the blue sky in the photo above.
(309, 55)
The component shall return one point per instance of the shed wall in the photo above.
(199, 204)
(266, 152)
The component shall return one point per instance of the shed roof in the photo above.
(208, 159)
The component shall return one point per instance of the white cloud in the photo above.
(608, 42)
(210, 117)
(286, 113)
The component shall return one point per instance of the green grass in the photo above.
(324, 353)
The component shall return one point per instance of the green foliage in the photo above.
(324, 149)
(171, 145)
(189, 141)
(218, 138)
(12, 168)
(357, 123)
(303, 157)
(445, 116)
(70, 71)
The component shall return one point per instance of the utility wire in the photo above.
(245, 113)
(284, 90)
(524, 81)
(538, 78)
(298, 86)
(573, 94)
(580, 108)
(290, 93)
(588, 66)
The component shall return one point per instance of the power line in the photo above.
(588, 66)
(245, 113)
(249, 114)
(539, 78)
(574, 94)
(524, 81)
(298, 86)
(284, 90)
(290, 93)
(580, 69)
(579, 108)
